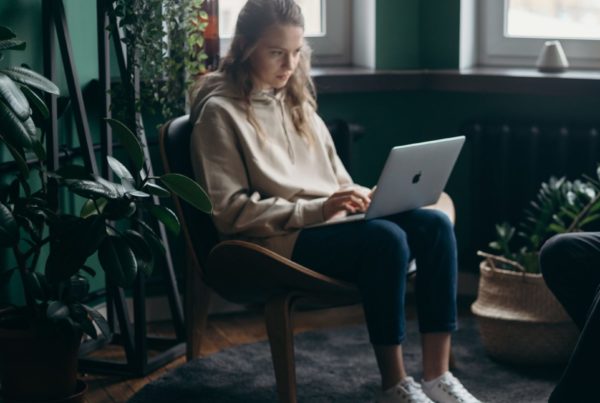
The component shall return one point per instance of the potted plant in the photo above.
(520, 320)
(51, 244)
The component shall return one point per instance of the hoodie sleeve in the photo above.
(343, 177)
(237, 209)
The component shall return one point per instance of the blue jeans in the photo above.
(374, 255)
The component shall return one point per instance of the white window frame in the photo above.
(497, 50)
(334, 46)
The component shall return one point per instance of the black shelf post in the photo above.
(131, 334)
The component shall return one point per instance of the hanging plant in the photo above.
(165, 41)
(196, 24)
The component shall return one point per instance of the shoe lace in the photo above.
(413, 391)
(457, 390)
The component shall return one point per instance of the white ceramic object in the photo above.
(552, 58)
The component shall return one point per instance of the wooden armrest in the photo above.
(245, 272)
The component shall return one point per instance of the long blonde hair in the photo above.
(254, 18)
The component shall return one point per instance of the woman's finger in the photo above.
(353, 192)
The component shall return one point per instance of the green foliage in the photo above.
(30, 220)
(560, 206)
(165, 41)
(195, 26)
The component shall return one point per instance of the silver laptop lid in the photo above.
(414, 175)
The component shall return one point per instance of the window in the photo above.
(513, 31)
(327, 27)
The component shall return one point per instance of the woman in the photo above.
(270, 167)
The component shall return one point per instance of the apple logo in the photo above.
(416, 178)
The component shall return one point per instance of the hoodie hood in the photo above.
(216, 85)
(210, 85)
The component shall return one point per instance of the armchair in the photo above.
(243, 272)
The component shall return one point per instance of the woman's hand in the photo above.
(346, 200)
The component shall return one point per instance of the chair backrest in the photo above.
(199, 231)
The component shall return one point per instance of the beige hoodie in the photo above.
(263, 190)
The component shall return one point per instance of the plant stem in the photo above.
(583, 213)
(97, 207)
(21, 263)
(35, 248)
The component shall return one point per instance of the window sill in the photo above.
(480, 79)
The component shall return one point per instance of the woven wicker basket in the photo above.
(520, 320)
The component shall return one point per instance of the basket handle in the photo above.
(491, 258)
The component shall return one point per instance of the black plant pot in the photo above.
(40, 366)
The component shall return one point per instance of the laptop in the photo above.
(413, 176)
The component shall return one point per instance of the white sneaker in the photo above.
(447, 389)
(406, 391)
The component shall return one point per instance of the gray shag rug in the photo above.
(337, 365)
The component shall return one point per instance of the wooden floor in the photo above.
(224, 331)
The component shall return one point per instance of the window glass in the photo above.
(574, 19)
(513, 32)
(312, 10)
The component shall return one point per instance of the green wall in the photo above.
(417, 34)
(397, 34)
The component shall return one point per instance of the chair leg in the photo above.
(197, 302)
(278, 312)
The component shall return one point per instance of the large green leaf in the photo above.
(167, 217)
(14, 97)
(36, 101)
(117, 260)
(6, 33)
(32, 79)
(79, 287)
(19, 158)
(38, 149)
(13, 129)
(154, 189)
(157, 246)
(9, 231)
(80, 315)
(30, 127)
(15, 44)
(138, 193)
(100, 321)
(91, 189)
(130, 143)
(590, 219)
(119, 208)
(119, 169)
(141, 250)
(57, 310)
(92, 207)
(188, 190)
(95, 232)
(117, 188)
(74, 242)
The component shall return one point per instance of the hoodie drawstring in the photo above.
(285, 130)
